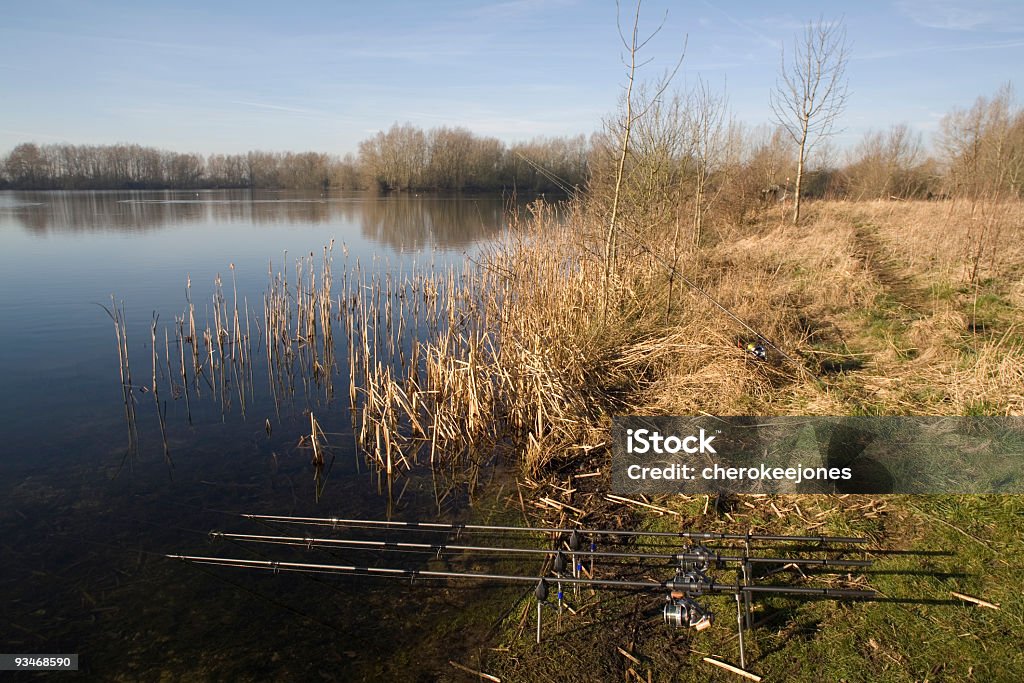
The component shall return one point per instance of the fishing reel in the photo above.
(685, 612)
(697, 559)
(681, 610)
(693, 582)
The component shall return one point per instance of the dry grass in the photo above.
(529, 350)
(877, 334)
(950, 241)
(869, 308)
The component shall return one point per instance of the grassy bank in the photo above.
(895, 308)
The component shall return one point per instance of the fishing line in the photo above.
(560, 183)
(276, 603)
(818, 381)
(675, 272)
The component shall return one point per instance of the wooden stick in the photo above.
(656, 508)
(561, 506)
(735, 669)
(976, 601)
(474, 672)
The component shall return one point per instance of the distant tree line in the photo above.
(688, 160)
(408, 158)
(96, 167)
(402, 158)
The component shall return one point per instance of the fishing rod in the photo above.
(693, 555)
(691, 582)
(683, 591)
(681, 610)
(448, 527)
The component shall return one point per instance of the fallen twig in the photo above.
(656, 508)
(474, 672)
(735, 669)
(976, 601)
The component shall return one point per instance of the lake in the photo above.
(86, 516)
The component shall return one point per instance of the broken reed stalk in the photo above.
(124, 368)
(235, 340)
(167, 363)
(161, 414)
(320, 467)
(184, 378)
(192, 339)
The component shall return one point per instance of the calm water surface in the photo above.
(84, 527)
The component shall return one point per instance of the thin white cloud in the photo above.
(279, 107)
(1001, 16)
(923, 49)
(745, 26)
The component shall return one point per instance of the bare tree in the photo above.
(984, 147)
(707, 131)
(633, 45)
(883, 164)
(812, 90)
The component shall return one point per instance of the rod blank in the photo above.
(309, 542)
(672, 584)
(440, 526)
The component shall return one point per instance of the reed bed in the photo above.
(528, 350)
(525, 351)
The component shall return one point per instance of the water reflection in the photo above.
(417, 222)
(87, 530)
(403, 222)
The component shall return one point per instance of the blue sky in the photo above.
(233, 76)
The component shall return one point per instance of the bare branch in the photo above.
(811, 92)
